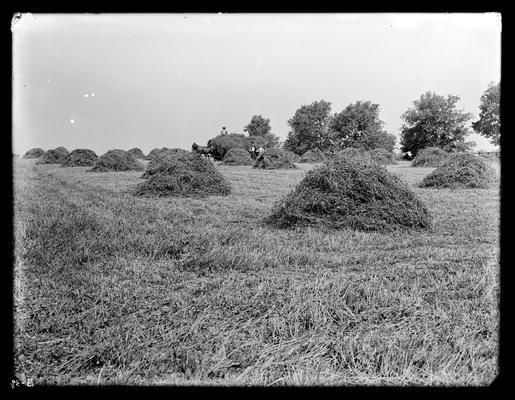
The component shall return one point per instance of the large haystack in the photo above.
(238, 156)
(160, 158)
(351, 193)
(34, 153)
(117, 160)
(430, 157)
(183, 174)
(313, 156)
(382, 156)
(54, 156)
(137, 153)
(274, 159)
(461, 171)
(81, 158)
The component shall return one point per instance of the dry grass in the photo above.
(116, 289)
(238, 157)
(274, 159)
(117, 160)
(430, 157)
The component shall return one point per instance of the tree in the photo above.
(434, 121)
(358, 125)
(309, 128)
(489, 123)
(259, 128)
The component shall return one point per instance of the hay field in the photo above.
(116, 289)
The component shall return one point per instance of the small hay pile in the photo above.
(293, 157)
(117, 160)
(160, 158)
(351, 193)
(80, 158)
(430, 157)
(238, 156)
(54, 156)
(313, 156)
(137, 153)
(34, 153)
(274, 159)
(185, 175)
(155, 152)
(381, 156)
(353, 153)
(461, 171)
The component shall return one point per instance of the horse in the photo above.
(202, 150)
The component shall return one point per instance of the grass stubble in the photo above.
(116, 289)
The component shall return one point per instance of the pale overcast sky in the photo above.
(109, 81)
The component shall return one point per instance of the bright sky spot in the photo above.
(72, 121)
(92, 94)
(86, 95)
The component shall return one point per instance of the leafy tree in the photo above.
(489, 123)
(309, 128)
(358, 125)
(259, 127)
(434, 121)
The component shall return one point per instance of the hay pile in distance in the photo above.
(353, 153)
(238, 156)
(430, 157)
(183, 175)
(54, 156)
(137, 153)
(381, 156)
(313, 156)
(461, 171)
(155, 152)
(117, 160)
(351, 193)
(80, 158)
(34, 153)
(274, 159)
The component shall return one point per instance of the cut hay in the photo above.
(155, 152)
(461, 171)
(80, 158)
(313, 156)
(430, 157)
(351, 193)
(117, 160)
(238, 156)
(353, 153)
(183, 175)
(137, 153)
(295, 158)
(382, 156)
(34, 153)
(160, 158)
(54, 156)
(274, 159)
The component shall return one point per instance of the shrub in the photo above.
(80, 158)
(313, 156)
(351, 193)
(183, 174)
(430, 157)
(381, 156)
(274, 159)
(292, 156)
(54, 156)
(117, 160)
(34, 153)
(137, 153)
(238, 157)
(461, 171)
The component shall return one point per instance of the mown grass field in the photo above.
(116, 289)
